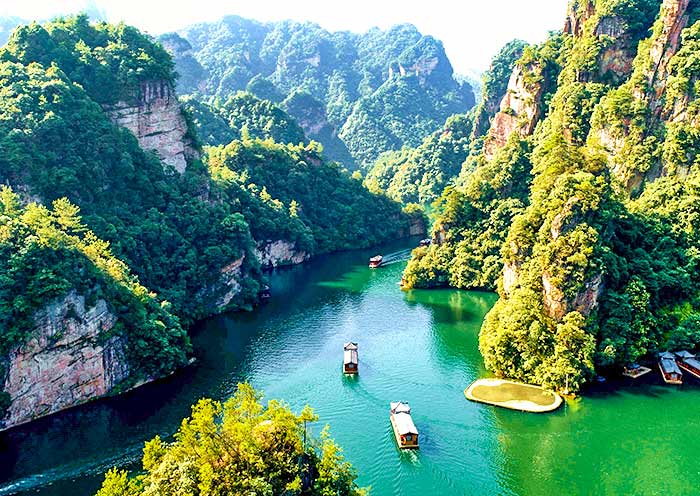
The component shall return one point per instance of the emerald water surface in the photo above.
(418, 346)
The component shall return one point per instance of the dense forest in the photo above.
(357, 94)
(581, 207)
(240, 447)
(113, 222)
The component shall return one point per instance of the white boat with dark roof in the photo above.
(404, 429)
(350, 358)
(670, 371)
(688, 363)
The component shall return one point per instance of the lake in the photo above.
(418, 346)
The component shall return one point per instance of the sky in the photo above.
(472, 31)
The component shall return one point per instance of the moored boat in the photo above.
(688, 363)
(670, 371)
(425, 242)
(404, 429)
(350, 358)
(375, 262)
(635, 370)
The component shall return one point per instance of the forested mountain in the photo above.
(357, 94)
(420, 174)
(582, 207)
(117, 226)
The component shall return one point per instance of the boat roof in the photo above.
(400, 407)
(670, 365)
(378, 257)
(350, 356)
(666, 354)
(684, 354)
(350, 346)
(402, 418)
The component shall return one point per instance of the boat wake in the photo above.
(72, 471)
(396, 257)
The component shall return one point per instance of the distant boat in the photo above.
(404, 429)
(350, 359)
(264, 293)
(669, 369)
(375, 262)
(688, 363)
(425, 242)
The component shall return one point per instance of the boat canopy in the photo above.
(350, 353)
(400, 407)
(684, 354)
(402, 419)
(350, 356)
(669, 363)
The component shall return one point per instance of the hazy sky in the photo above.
(471, 30)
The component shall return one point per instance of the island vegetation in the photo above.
(238, 447)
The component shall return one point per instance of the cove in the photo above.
(418, 346)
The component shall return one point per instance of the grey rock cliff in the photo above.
(68, 359)
(158, 123)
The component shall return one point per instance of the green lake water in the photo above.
(419, 346)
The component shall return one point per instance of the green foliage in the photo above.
(108, 61)
(59, 143)
(240, 447)
(290, 192)
(50, 253)
(596, 252)
(420, 175)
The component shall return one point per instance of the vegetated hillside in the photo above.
(420, 174)
(357, 94)
(87, 111)
(216, 444)
(583, 207)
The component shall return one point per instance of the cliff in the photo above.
(70, 357)
(158, 123)
(273, 254)
(520, 108)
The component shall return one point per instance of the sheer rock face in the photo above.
(278, 253)
(229, 285)
(556, 304)
(663, 48)
(68, 359)
(520, 109)
(157, 122)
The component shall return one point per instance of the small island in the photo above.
(513, 395)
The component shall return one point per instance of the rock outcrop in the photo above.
(158, 123)
(278, 253)
(520, 108)
(663, 48)
(69, 358)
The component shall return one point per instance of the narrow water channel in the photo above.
(418, 346)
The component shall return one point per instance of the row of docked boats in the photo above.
(672, 366)
(402, 424)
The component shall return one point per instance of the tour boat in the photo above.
(669, 369)
(688, 363)
(404, 430)
(425, 242)
(350, 361)
(375, 262)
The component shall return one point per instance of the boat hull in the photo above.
(685, 368)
